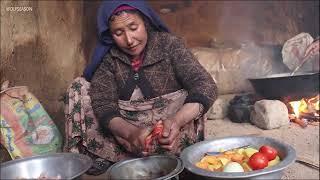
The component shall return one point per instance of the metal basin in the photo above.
(194, 153)
(152, 167)
(51, 166)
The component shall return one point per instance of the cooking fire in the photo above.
(304, 111)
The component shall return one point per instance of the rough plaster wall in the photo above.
(42, 49)
(266, 22)
(49, 46)
(89, 34)
(199, 22)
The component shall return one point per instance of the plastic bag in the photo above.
(26, 128)
(293, 53)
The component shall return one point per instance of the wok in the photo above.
(278, 86)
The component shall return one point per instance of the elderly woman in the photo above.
(148, 94)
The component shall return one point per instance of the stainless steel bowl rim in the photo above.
(86, 158)
(291, 156)
(179, 168)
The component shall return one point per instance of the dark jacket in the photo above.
(167, 67)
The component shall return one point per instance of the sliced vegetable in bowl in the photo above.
(243, 159)
(233, 167)
(194, 153)
(270, 152)
(258, 161)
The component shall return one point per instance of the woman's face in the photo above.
(129, 33)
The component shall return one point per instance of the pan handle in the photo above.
(304, 60)
(307, 164)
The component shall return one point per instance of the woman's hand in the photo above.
(128, 135)
(171, 130)
(137, 139)
(172, 126)
(313, 48)
(135, 143)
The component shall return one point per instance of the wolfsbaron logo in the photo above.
(19, 8)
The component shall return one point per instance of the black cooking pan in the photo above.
(279, 86)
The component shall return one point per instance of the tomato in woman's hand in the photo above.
(155, 134)
(269, 152)
(258, 161)
(158, 129)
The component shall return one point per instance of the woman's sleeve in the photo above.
(103, 93)
(192, 75)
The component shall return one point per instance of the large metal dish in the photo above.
(65, 165)
(158, 167)
(194, 153)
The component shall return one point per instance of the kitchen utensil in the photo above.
(308, 164)
(304, 60)
(213, 153)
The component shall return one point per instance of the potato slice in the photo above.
(216, 166)
(224, 160)
(209, 159)
(202, 165)
(246, 167)
(240, 151)
(237, 158)
(250, 151)
(274, 162)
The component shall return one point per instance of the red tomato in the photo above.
(155, 134)
(269, 152)
(157, 130)
(258, 161)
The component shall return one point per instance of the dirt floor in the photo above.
(305, 141)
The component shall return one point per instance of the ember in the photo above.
(305, 111)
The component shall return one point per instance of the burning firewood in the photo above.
(305, 111)
(301, 122)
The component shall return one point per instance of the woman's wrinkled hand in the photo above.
(171, 130)
(135, 143)
(153, 136)
(313, 49)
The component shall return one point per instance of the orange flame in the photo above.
(305, 105)
(314, 102)
(295, 106)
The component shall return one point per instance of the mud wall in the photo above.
(47, 47)
(266, 22)
(42, 48)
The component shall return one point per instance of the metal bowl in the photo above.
(153, 167)
(194, 153)
(51, 166)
